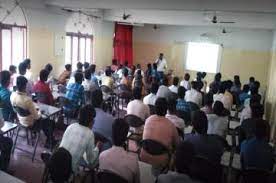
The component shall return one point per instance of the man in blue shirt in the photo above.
(5, 103)
(75, 93)
(256, 152)
(181, 104)
(103, 121)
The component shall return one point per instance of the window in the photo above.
(78, 48)
(13, 45)
(203, 57)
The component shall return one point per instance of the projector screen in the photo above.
(203, 57)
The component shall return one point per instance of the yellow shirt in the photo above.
(108, 81)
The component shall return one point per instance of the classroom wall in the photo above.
(246, 52)
(45, 24)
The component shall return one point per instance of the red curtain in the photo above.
(122, 45)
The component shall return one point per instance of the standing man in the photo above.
(161, 65)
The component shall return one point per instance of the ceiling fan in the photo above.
(69, 10)
(126, 16)
(215, 20)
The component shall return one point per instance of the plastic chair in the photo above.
(105, 176)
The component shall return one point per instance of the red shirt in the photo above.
(42, 87)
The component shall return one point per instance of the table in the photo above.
(6, 178)
(8, 127)
(47, 110)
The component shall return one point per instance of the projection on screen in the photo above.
(203, 57)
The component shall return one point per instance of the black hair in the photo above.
(228, 84)
(126, 63)
(114, 61)
(218, 77)
(184, 155)
(262, 129)
(125, 72)
(21, 83)
(251, 79)
(12, 68)
(108, 72)
(138, 66)
(22, 68)
(257, 110)
(78, 77)
(149, 66)
(218, 108)
(60, 165)
(43, 75)
(5, 77)
(245, 88)
(257, 84)
(48, 67)
(92, 68)
(120, 130)
(161, 106)
(237, 81)
(194, 84)
(175, 81)
(222, 87)
(97, 98)
(200, 122)
(165, 81)
(187, 77)
(68, 67)
(86, 65)
(86, 115)
(154, 88)
(87, 74)
(203, 75)
(181, 92)
(137, 93)
(172, 105)
(79, 66)
(27, 62)
(208, 99)
(154, 66)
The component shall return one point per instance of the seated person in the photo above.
(137, 107)
(117, 159)
(183, 159)
(186, 83)
(194, 95)
(6, 145)
(256, 152)
(29, 74)
(75, 93)
(41, 88)
(151, 98)
(171, 115)
(94, 78)
(86, 65)
(103, 120)
(181, 104)
(12, 70)
(87, 83)
(33, 120)
(208, 104)
(107, 80)
(162, 130)
(247, 128)
(174, 87)
(65, 74)
(5, 104)
(228, 94)
(247, 111)
(49, 68)
(22, 72)
(225, 99)
(79, 140)
(163, 91)
(125, 79)
(244, 94)
(138, 81)
(236, 88)
(205, 145)
(154, 73)
(217, 122)
(79, 70)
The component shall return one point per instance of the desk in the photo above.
(47, 110)
(6, 178)
(8, 127)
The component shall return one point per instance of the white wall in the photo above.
(247, 39)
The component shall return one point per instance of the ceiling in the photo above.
(260, 14)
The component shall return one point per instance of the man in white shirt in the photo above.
(225, 99)
(193, 95)
(151, 98)
(79, 139)
(161, 64)
(186, 82)
(137, 107)
(163, 91)
(174, 86)
(87, 84)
